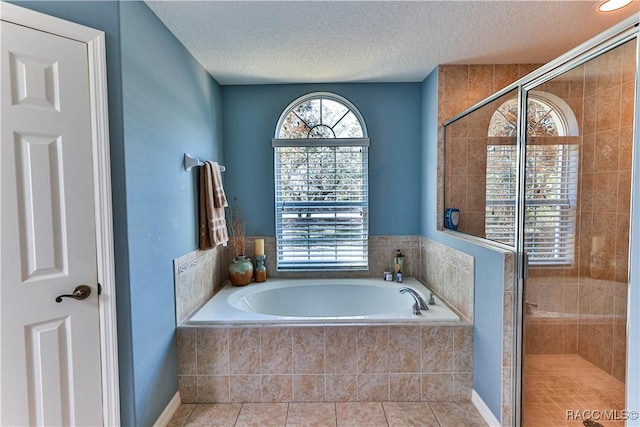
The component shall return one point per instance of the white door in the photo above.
(50, 372)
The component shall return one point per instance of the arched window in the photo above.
(551, 183)
(321, 185)
(547, 115)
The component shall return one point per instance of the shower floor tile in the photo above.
(565, 389)
(335, 414)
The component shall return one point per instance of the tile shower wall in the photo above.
(604, 208)
(272, 363)
(592, 294)
(460, 87)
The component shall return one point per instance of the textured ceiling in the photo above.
(261, 42)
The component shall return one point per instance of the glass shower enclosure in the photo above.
(548, 173)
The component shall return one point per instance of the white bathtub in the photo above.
(320, 301)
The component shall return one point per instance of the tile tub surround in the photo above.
(197, 275)
(297, 363)
(449, 273)
(382, 250)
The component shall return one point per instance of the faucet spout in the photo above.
(420, 304)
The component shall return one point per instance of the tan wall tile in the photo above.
(309, 388)
(245, 388)
(341, 388)
(276, 350)
(608, 109)
(437, 387)
(244, 350)
(609, 69)
(606, 150)
(373, 387)
(213, 351)
(308, 350)
(213, 389)
(340, 350)
(277, 388)
(480, 82)
(405, 387)
(463, 349)
(437, 349)
(372, 349)
(404, 349)
(186, 351)
(462, 386)
(188, 388)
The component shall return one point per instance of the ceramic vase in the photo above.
(240, 271)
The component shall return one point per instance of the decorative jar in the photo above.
(240, 271)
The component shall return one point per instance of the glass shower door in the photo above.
(577, 188)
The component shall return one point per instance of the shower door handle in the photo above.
(523, 264)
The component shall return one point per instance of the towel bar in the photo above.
(191, 162)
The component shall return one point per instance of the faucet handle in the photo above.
(432, 301)
(528, 306)
(416, 309)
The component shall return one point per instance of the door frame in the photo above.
(95, 41)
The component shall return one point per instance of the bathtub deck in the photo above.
(353, 414)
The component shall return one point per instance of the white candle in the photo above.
(259, 247)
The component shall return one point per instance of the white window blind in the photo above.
(322, 203)
(550, 200)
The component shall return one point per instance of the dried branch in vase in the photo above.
(237, 230)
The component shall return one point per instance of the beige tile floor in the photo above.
(347, 414)
(557, 383)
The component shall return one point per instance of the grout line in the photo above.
(239, 412)
(286, 418)
(435, 414)
(189, 416)
(384, 411)
(324, 360)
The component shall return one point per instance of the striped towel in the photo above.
(213, 226)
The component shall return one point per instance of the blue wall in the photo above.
(170, 105)
(489, 264)
(161, 104)
(392, 114)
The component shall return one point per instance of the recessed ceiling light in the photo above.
(610, 5)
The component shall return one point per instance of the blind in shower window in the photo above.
(550, 200)
(322, 219)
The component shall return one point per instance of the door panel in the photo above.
(576, 231)
(50, 370)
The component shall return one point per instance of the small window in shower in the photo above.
(551, 183)
(321, 179)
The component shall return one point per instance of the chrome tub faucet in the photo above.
(419, 301)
